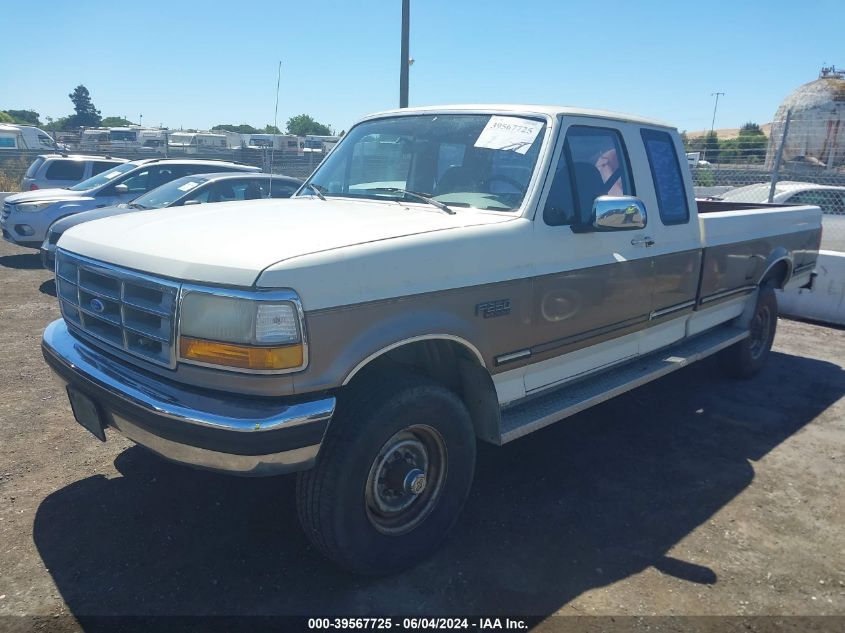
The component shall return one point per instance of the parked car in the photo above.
(26, 217)
(366, 334)
(196, 189)
(829, 198)
(59, 171)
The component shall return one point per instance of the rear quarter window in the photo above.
(33, 169)
(65, 170)
(667, 176)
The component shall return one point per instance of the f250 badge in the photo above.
(497, 308)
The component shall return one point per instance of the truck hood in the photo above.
(233, 242)
(43, 195)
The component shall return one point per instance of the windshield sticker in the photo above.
(188, 186)
(112, 174)
(509, 134)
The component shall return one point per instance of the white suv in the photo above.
(50, 171)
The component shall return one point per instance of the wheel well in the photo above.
(451, 364)
(777, 275)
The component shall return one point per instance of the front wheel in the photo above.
(746, 358)
(392, 476)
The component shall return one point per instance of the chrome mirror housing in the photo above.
(618, 213)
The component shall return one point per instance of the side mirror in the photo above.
(618, 213)
(121, 189)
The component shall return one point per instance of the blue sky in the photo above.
(196, 64)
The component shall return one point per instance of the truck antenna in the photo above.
(275, 127)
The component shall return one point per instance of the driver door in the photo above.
(593, 289)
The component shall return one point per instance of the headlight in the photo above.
(33, 207)
(260, 333)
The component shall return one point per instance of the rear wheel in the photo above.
(393, 473)
(746, 358)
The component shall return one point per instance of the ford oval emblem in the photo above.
(97, 305)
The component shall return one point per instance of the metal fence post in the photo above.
(779, 156)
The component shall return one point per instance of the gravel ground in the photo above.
(693, 495)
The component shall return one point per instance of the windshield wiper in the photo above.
(420, 196)
(315, 189)
(135, 205)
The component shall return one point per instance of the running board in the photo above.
(561, 402)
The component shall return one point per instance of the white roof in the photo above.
(528, 109)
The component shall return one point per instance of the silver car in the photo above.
(51, 171)
(26, 217)
(205, 188)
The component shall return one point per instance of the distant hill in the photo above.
(728, 132)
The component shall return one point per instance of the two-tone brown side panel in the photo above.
(575, 309)
(739, 265)
(676, 278)
(494, 318)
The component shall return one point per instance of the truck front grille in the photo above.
(119, 307)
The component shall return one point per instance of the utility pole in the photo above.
(405, 54)
(140, 120)
(716, 105)
(713, 122)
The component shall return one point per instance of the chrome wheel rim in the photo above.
(761, 327)
(406, 479)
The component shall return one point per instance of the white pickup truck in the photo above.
(447, 275)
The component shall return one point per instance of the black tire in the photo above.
(346, 512)
(747, 358)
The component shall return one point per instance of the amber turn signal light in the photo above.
(241, 356)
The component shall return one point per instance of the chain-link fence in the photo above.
(798, 159)
(14, 163)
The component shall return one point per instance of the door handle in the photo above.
(643, 241)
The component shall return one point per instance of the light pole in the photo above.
(404, 54)
(140, 120)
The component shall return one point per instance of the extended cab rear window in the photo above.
(667, 176)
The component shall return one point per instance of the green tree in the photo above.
(271, 129)
(115, 121)
(86, 114)
(25, 117)
(5, 117)
(55, 125)
(243, 128)
(748, 147)
(304, 124)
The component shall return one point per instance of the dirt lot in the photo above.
(692, 495)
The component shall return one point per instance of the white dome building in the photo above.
(816, 133)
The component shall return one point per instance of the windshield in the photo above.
(750, 193)
(169, 193)
(181, 139)
(464, 160)
(103, 178)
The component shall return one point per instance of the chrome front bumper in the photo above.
(225, 432)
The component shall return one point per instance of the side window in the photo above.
(829, 201)
(228, 190)
(137, 182)
(65, 170)
(593, 163)
(98, 167)
(667, 176)
(283, 189)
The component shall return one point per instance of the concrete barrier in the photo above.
(826, 300)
